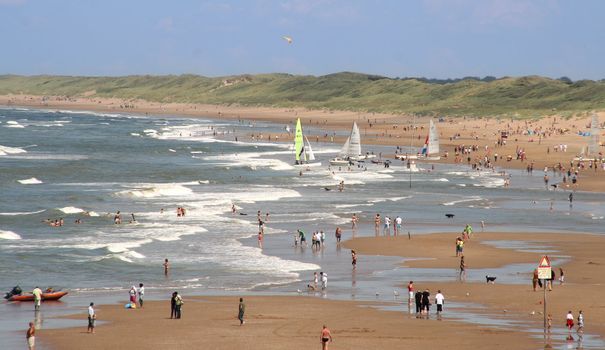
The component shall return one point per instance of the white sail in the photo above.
(593, 145)
(355, 142)
(310, 154)
(433, 145)
(344, 151)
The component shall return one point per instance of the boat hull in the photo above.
(308, 165)
(45, 296)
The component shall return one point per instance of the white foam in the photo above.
(471, 199)
(171, 150)
(157, 190)
(92, 213)
(441, 180)
(21, 213)
(252, 160)
(11, 150)
(135, 134)
(30, 181)
(9, 235)
(71, 210)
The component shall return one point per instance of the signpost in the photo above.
(544, 273)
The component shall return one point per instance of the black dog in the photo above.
(489, 279)
(449, 216)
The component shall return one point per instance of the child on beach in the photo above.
(580, 322)
(569, 321)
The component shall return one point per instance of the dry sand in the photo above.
(274, 323)
(385, 129)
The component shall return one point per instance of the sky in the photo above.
(395, 38)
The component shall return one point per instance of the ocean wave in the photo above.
(157, 190)
(30, 181)
(71, 210)
(471, 199)
(22, 213)
(4, 150)
(9, 235)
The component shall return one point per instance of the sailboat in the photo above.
(592, 151)
(431, 146)
(351, 150)
(303, 154)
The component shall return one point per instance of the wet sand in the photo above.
(383, 129)
(584, 272)
(277, 321)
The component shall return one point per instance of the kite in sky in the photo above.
(288, 39)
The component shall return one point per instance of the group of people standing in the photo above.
(422, 301)
(386, 225)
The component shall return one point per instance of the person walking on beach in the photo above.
(338, 234)
(354, 221)
(561, 276)
(426, 301)
(569, 321)
(570, 199)
(241, 310)
(37, 292)
(459, 246)
(141, 293)
(30, 336)
(92, 317)
(397, 228)
(133, 295)
(439, 299)
(315, 279)
(535, 280)
(178, 301)
(166, 266)
(260, 239)
(353, 259)
(173, 305)
(418, 299)
(387, 226)
(411, 292)
(324, 280)
(377, 224)
(580, 322)
(326, 337)
(462, 268)
(551, 279)
(301, 235)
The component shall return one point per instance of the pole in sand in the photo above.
(545, 274)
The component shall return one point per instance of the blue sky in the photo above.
(431, 38)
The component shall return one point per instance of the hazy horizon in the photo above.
(433, 39)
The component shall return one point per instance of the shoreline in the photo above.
(384, 130)
(346, 318)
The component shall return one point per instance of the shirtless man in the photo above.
(31, 336)
(166, 267)
(325, 338)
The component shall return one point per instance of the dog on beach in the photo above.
(491, 279)
(449, 216)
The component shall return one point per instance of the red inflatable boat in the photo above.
(45, 296)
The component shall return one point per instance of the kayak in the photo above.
(45, 296)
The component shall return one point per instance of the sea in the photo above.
(87, 166)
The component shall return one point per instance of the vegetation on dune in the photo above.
(471, 96)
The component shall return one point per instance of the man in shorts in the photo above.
(91, 318)
(439, 299)
(37, 292)
(31, 336)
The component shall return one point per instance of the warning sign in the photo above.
(544, 268)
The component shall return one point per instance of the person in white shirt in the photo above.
(37, 292)
(439, 299)
(91, 318)
(398, 222)
(324, 280)
(387, 226)
(141, 293)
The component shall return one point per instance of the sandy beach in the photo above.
(387, 129)
(272, 321)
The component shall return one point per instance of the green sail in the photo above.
(299, 143)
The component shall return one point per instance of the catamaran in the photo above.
(351, 150)
(303, 154)
(430, 150)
